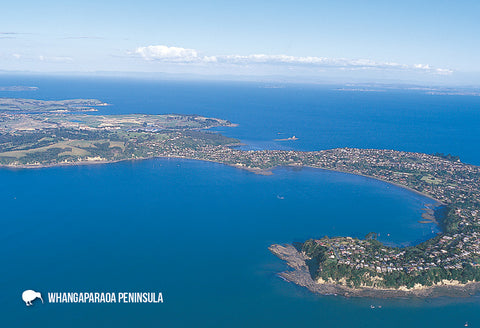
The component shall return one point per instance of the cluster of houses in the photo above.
(450, 252)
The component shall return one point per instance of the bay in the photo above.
(199, 232)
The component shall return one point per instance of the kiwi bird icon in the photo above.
(30, 295)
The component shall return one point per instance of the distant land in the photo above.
(429, 90)
(43, 106)
(40, 134)
(18, 88)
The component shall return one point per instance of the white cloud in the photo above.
(422, 66)
(183, 55)
(272, 59)
(169, 54)
(41, 58)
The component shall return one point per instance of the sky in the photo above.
(370, 40)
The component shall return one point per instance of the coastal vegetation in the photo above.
(368, 263)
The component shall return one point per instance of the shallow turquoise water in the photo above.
(199, 232)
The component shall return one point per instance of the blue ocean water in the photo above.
(199, 232)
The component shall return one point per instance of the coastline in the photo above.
(255, 170)
(379, 179)
(97, 162)
(300, 276)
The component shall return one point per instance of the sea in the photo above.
(198, 232)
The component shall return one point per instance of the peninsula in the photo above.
(20, 105)
(448, 264)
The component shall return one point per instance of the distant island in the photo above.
(42, 134)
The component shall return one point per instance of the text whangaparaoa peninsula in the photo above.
(107, 297)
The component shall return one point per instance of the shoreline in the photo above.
(266, 172)
(255, 170)
(300, 276)
(83, 163)
(379, 179)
